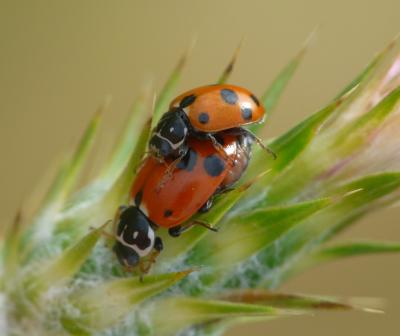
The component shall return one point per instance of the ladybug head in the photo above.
(169, 137)
(135, 237)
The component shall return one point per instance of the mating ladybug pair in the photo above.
(198, 150)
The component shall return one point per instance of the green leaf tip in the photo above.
(231, 65)
(128, 138)
(292, 301)
(167, 92)
(271, 96)
(353, 249)
(359, 131)
(70, 171)
(367, 73)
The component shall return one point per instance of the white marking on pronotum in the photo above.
(135, 234)
(141, 253)
(174, 146)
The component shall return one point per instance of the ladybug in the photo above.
(202, 174)
(203, 112)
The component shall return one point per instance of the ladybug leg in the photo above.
(204, 224)
(206, 206)
(178, 230)
(168, 173)
(145, 266)
(175, 231)
(173, 165)
(220, 148)
(158, 244)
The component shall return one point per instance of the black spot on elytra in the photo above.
(255, 99)
(186, 101)
(167, 213)
(138, 197)
(229, 96)
(204, 118)
(158, 244)
(214, 165)
(188, 161)
(247, 113)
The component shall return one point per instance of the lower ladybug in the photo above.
(203, 112)
(158, 201)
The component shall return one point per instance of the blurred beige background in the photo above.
(59, 59)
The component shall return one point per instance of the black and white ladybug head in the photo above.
(134, 237)
(169, 137)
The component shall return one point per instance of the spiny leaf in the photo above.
(369, 70)
(190, 311)
(124, 169)
(289, 301)
(229, 68)
(167, 92)
(103, 206)
(251, 232)
(79, 158)
(121, 187)
(65, 266)
(345, 250)
(271, 96)
(356, 248)
(128, 138)
(292, 143)
(106, 304)
(68, 175)
(43, 224)
(357, 133)
(354, 200)
(287, 147)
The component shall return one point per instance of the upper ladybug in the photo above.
(216, 108)
(202, 112)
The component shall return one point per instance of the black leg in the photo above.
(158, 244)
(206, 206)
(220, 149)
(210, 202)
(175, 231)
(178, 230)
(169, 172)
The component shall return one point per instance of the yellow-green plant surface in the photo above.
(60, 277)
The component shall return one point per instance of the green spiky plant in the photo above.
(59, 275)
